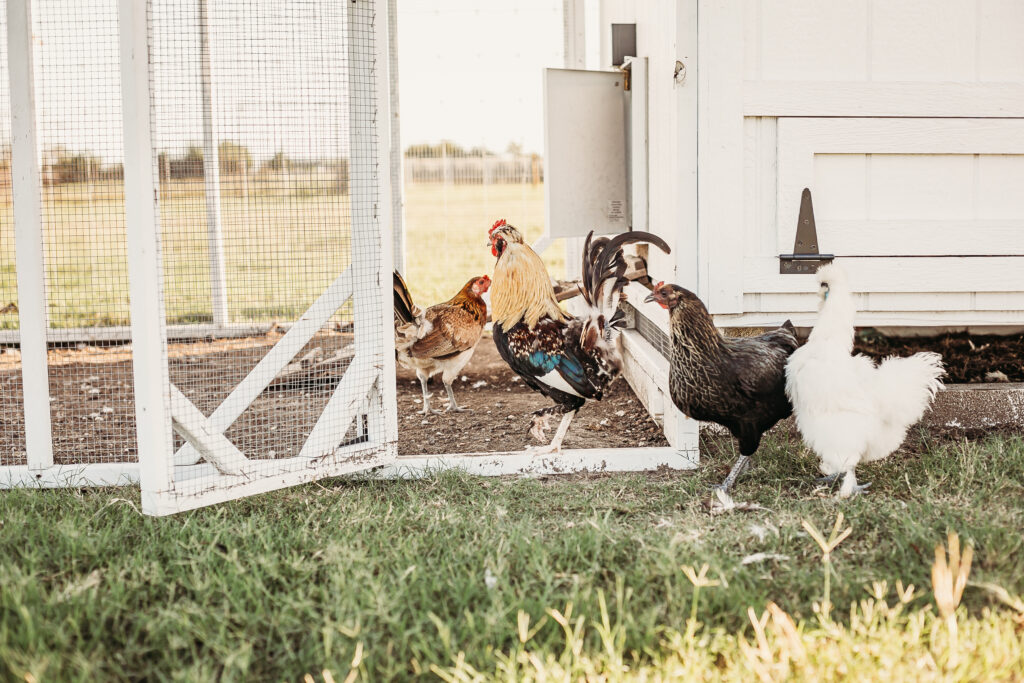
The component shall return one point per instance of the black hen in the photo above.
(739, 383)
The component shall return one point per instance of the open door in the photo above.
(313, 395)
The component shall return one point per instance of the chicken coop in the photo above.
(195, 234)
(761, 138)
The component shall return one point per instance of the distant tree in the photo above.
(234, 158)
(75, 168)
(514, 148)
(445, 148)
(278, 162)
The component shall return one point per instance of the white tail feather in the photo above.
(905, 387)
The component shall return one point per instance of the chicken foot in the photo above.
(742, 465)
(541, 424)
(850, 487)
(453, 406)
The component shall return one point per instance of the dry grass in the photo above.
(280, 251)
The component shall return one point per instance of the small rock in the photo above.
(620, 413)
(996, 376)
(478, 384)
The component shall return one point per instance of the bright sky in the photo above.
(470, 71)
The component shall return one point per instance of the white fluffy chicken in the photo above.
(848, 409)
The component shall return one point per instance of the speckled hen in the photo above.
(739, 383)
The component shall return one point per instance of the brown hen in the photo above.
(442, 338)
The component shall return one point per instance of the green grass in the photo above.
(281, 252)
(299, 581)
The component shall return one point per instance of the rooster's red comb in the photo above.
(659, 285)
(497, 224)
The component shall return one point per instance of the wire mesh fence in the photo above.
(12, 409)
(471, 90)
(258, 95)
(264, 131)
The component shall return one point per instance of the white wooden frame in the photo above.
(28, 228)
(174, 482)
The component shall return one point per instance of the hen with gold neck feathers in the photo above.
(568, 359)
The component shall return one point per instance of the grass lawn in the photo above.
(464, 578)
(280, 252)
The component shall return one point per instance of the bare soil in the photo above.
(93, 413)
(502, 405)
(967, 358)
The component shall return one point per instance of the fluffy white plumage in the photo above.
(848, 409)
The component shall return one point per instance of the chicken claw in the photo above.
(539, 426)
(850, 486)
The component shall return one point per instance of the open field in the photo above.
(280, 251)
(526, 579)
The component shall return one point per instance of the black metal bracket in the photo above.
(805, 257)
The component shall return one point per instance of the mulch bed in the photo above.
(968, 358)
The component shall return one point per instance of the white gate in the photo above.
(256, 179)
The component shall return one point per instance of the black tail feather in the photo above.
(603, 260)
(403, 302)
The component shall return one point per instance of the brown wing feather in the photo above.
(456, 329)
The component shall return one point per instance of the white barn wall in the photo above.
(903, 117)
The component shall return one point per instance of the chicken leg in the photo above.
(741, 465)
(453, 406)
(541, 424)
(426, 395)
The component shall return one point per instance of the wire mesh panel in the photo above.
(12, 409)
(271, 182)
(471, 89)
(78, 98)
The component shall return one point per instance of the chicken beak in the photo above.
(650, 298)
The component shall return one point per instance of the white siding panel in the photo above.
(923, 40)
(812, 39)
(1000, 42)
(892, 274)
(921, 186)
(1000, 186)
(904, 187)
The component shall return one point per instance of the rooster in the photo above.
(739, 383)
(848, 409)
(567, 359)
(442, 338)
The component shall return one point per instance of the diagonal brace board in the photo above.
(249, 389)
(348, 397)
(193, 426)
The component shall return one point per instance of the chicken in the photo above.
(739, 383)
(442, 338)
(567, 359)
(848, 409)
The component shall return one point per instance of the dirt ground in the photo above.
(93, 414)
(967, 359)
(501, 413)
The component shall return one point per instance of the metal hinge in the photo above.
(805, 257)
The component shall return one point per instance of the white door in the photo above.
(331, 195)
(906, 122)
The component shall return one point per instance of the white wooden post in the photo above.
(575, 49)
(575, 36)
(397, 189)
(26, 182)
(141, 200)
(370, 197)
(211, 174)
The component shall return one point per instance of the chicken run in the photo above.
(848, 408)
